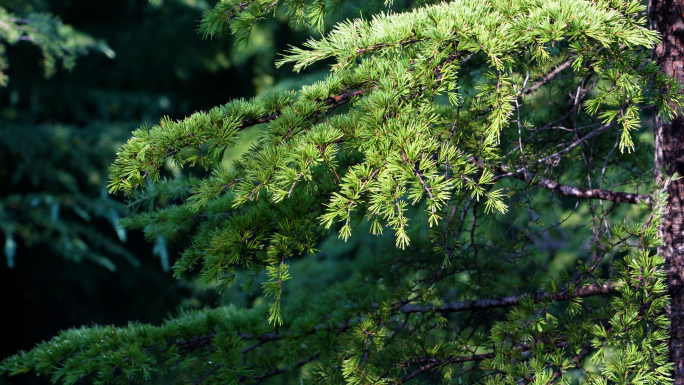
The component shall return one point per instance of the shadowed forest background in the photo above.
(69, 265)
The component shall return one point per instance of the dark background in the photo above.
(59, 135)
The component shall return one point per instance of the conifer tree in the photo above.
(502, 147)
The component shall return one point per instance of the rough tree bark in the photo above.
(667, 17)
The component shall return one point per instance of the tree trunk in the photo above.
(667, 17)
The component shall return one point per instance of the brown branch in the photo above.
(376, 47)
(549, 76)
(433, 363)
(337, 100)
(240, 7)
(280, 371)
(248, 122)
(577, 192)
(575, 360)
(207, 374)
(577, 142)
(570, 191)
(490, 303)
(333, 101)
(262, 340)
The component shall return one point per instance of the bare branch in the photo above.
(577, 192)
(576, 143)
(549, 76)
(209, 373)
(490, 303)
(433, 363)
(280, 371)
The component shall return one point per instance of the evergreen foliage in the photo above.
(57, 41)
(463, 129)
(58, 205)
(62, 252)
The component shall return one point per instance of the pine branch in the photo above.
(548, 77)
(491, 303)
(209, 373)
(586, 349)
(577, 192)
(262, 340)
(372, 48)
(249, 122)
(576, 143)
(435, 363)
(280, 371)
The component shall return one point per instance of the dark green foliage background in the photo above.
(57, 137)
